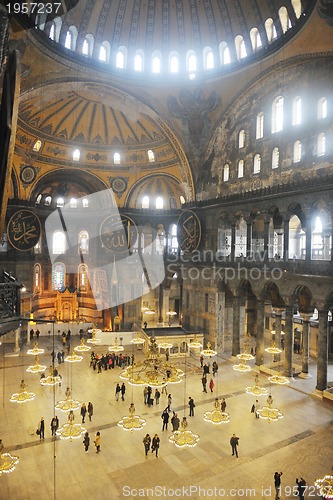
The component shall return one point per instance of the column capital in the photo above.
(306, 316)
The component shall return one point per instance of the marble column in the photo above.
(322, 359)
(17, 339)
(278, 321)
(28, 334)
(306, 346)
(260, 347)
(235, 326)
(288, 342)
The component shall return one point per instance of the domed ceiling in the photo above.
(178, 26)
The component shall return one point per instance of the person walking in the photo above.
(86, 442)
(301, 487)
(54, 425)
(234, 443)
(277, 484)
(97, 441)
(175, 422)
(157, 396)
(41, 428)
(83, 412)
(223, 405)
(155, 444)
(191, 405)
(145, 395)
(254, 408)
(165, 418)
(204, 383)
(211, 385)
(146, 441)
(165, 387)
(169, 402)
(118, 389)
(123, 390)
(90, 410)
(201, 361)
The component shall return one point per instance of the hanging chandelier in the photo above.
(269, 412)
(279, 379)
(73, 358)
(70, 430)
(245, 356)
(273, 349)
(195, 344)
(208, 353)
(7, 462)
(217, 416)
(52, 378)
(256, 390)
(93, 339)
(325, 486)
(242, 367)
(116, 347)
(171, 313)
(132, 422)
(82, 347)
(152, 371)
(36, 350)
(184, 437)
(165, 345)
(68, 404)
(36, 367)
(137, 340)
(22, 396)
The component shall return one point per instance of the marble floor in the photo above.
(300, 444)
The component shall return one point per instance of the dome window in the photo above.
(145, 202)
(73, 203)
(76, 155)
(322, 108)
(297, 111)
(60, 202)
(174, 63)
(151, 156)
(159, 203)
(116, 159)
(37, 146)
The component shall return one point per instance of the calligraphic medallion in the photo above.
(118, 233)
(188, 231)
(23, 230)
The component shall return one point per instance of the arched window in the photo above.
(296, 111)
(255, 39)
(83, 242)
(240, 238)
(191, 62)
(297, 5)
(121, 58)
(73, 203)
(60, 202)
(182, 199)
(321, 144)
(275, 158)
(260, 126)
(104, 52)
(284, 19)
(256, 163)
(159, 203)
(240, 170)
(116, 158)
(297, 152)
(58, 276)
(241, 139)
(88, 45)
(37, 283)
(39, 199)
(57, 28)
(58, 243)
(76, 155)
(174, 63)
(71, 37)
(83, 277)
(48, 201)
(85, 203)
(52, 32)
(151, 156)
(138, 61)
(208, 58)
(322, 108)
(269, 26)
(156, 62)
(277, 114)
(225, 173)
(224, 53)
(240, 47)
(145, 202)
(37, 146)
(296, 239)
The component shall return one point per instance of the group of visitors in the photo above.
(110, 360)
(153, 443)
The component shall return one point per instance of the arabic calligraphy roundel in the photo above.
(188, 231)
(118, 234)
(23, 230)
